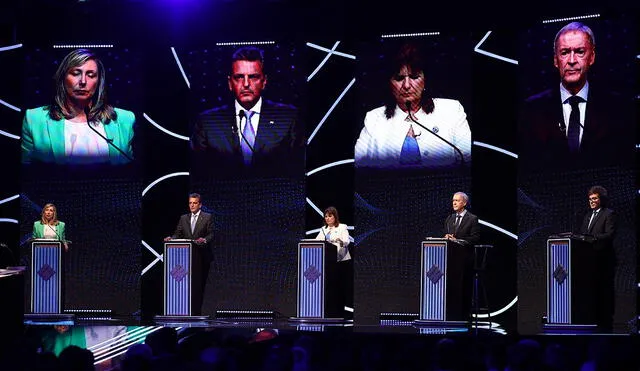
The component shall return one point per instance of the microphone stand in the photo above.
(109, 141)
(408, 105)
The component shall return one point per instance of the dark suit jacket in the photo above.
(469, 229)
(204, 228)
(278, 148)
(607, 139)
(603, 228)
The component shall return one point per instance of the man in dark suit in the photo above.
(462, 225)
(253, 135)
(575, 124)
(463, 228)
(197, 225)
(600, 222)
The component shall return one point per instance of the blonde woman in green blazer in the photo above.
(69, 130)
(49, 226)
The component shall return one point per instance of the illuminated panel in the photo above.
(46, 277)
(433, 282)
(177, 279)
(559, 281)
(311, 279)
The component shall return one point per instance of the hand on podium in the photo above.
(450, 236)
(66, 246)
(200, 241)
(167, 239)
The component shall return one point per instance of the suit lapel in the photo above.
(595, 220)
(55, 131)
(111, 131)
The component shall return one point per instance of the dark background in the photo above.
(153, 27)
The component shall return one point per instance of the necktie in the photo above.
(193, 222)
(249, 137)
(593, 216)
(457, 224)
(410, 153)
(573, 134)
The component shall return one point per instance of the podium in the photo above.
(318, 295)
(571, 277)
(442, 264)
(182, 277)
(46, 281)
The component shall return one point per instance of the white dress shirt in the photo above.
(255, 118)
(566, 107)
(82, 145)
(338, 236)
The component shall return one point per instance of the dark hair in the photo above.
(195, 195)
(408, 55)
(601, 192)
(332, 211)
(99, 109)
(249, 53)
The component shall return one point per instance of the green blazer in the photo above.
(38, 230)
(43, 137)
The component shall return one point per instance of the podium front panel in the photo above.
(46, 277)
(559, 273)
(177, 279)
(311, 279)
(433, 282)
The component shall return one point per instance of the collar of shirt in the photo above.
(462, 213)
(596, 210)
(583, 93)
(196, 214)
(256, 109)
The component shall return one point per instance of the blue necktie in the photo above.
(410, 153)
(249, 138)
(573, 134)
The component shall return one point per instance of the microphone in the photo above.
(241, 114)
(109, 141)
(54, 231)
(408, 105)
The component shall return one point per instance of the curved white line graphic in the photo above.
(499, 311)
(10, 47)
(326, 115)
(332, 164)
(9, 199)
(492, 55)
(8, 220)
(163, 129)
(314, 207)
(9, 135)
(326, 58)
(322, 48)
(185, 173)
(514, 236)
(498, 149)
(184, 75)
(6, 104)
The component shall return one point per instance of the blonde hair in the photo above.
(54, 221)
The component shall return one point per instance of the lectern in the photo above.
(318, 298)
(46, 281)
(571, 274)
(442, 265)
(182, 277)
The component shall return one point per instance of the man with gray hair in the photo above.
(462, 226)
(575, 123)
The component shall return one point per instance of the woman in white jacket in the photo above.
(337, 234)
